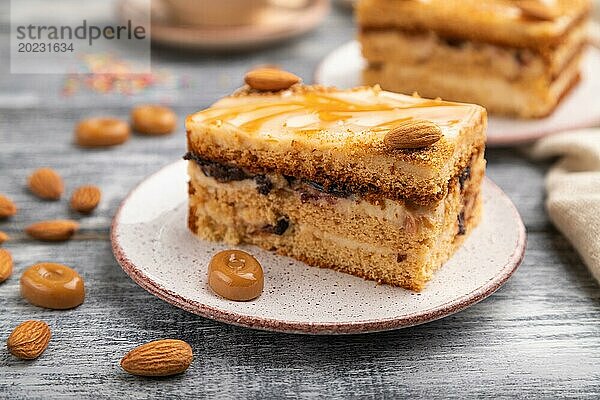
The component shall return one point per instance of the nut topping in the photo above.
(270, 79)
(412, 134)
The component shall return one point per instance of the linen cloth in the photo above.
(573, 190)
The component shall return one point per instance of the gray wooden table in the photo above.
(538, 336)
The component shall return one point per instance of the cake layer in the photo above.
(388, 241)
(428, 49)
(387, 222)
(335, 138)
(494, 21)
(527, 98)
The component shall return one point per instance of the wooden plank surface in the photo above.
(538, 336)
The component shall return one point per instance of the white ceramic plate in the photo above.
(152, 243)
(580, 109)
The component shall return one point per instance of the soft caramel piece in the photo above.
(153, 120)
(235, 275)
(51, 285)
(101, 132)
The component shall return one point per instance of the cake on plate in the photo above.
(514, 57)
(379, 185)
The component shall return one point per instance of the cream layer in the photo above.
(528, 98)
(427, 47)
(386, 211)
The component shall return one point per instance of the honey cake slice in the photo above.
(306, 172)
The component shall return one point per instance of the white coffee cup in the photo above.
(214, 13)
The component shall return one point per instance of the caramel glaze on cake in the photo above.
(304, 173)
(329, 146)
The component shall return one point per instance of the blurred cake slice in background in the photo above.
(514, 57)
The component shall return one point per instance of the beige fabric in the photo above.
(573, 186)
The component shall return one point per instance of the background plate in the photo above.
(580, 109)
(153, 245)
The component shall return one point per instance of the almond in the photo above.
(159, 358)
(412, 134)
(4, 237)
(7, 207)
(52, 231)
(46, 184)
(270, 79)
(85, 199)
(6, 265)
(29, 340)
(101, 132)
(537, 10)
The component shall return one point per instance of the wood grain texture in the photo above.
(537, 337)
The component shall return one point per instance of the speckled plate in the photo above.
(342, 68)
(153, 245)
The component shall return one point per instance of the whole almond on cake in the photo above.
(53, 230)
(6, 265)
(29, 340)
(159, 358)
(46, 184)
(412, 134)
(270, 79)
(85, 199)
(7, 207)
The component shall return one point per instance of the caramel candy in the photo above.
(153, 120)
(235, 275)
(101, 132)
(53, 286)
